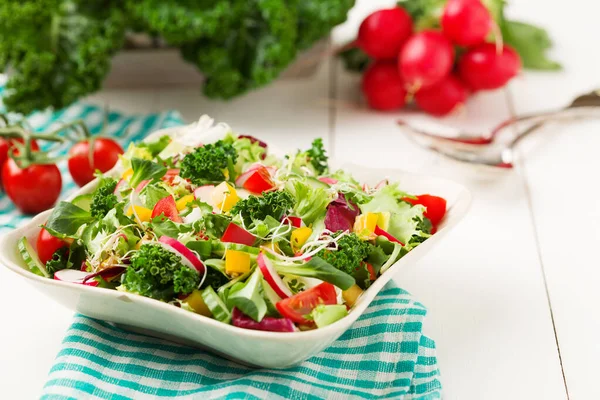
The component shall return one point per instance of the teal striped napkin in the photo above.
(383, 355)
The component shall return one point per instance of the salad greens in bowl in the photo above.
(202, 234)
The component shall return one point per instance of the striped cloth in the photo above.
(383, 355)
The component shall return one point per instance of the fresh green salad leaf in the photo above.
(310, 202)
(152, 194)
(317, 268)
(66, 219)
(249, 298)
(145, 170)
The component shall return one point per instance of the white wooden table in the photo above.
(512, 293)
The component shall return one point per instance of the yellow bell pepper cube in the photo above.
(182, 202)
(127, 174)
(143, 213)
(351, 295)
(196, 303)
(365, 224)
(384, 220)
(224, 197)
(300, 236)
(237, 262)
(271, 246)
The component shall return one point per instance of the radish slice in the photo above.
(106, 274)
(203, 193)
(272, 277)
(239, 182)
(381, 184)
(381, 232)
(329, 181)
(187, 256)
(120, 186)
(74, 276)
(141, 186)
(365, 187)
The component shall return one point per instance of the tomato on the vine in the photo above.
(32, 189)
(47, 244)
(6, 145)
(106, 154)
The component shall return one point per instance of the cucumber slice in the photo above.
(219, 248)
(216, 306)
(271, 299)
(83, 201)
(31, 258)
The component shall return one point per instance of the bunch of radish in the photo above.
(439, 69)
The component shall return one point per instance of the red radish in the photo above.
(239, 182)
(254, 140)
(466, 22)
(272, 277)
(74, 276)
(259, 181)
(365, 187)
(329, 181)
(296, 222)
(187, 256)
(383, 87)
(269, 324)
(382, 34)
(236, 234)
(203, 193)
(382, 183)
(167, 207)
(141, 186)
(482, 67)
(119, 186)
(425, 59)
(442, 98)
(106, 274)
(380, 232)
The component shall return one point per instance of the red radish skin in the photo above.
(381, 232)
(186, 254)
(236, 234)
(443, 98)
(382, 34)
(272, 277)
(483, 68)
(425, 59)
(141, 186)
(383, 87)
(74, 276)
(106, 274)
(466, 22)
(329, 181)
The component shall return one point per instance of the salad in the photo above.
(210, 221)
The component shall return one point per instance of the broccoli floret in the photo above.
(276, 204)
(350, 254)
(158, 273)
(59, 261)
(104, 198)
(208, 164)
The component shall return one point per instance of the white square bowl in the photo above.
(254, 348)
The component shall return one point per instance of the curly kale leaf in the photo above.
(317, 17)
(256, 208)
(250, 56)
(318, 157)
(103, 199)
(350, 254)
(58, 261)
(58, 50)
(208, 164)
(158, 273)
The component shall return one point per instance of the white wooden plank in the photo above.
(561, 163)
(483, 286)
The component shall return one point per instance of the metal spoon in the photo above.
(584, 106)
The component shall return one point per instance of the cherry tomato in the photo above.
(259, 181)
(167, 207)
(301, 304)
(383, 87)
(33, 189)
(466, 22)
(435, 206)
(236, 234)
(426, 58)
(6, 145)
(47, 244)
(106, 155)
(442, 98)
(483, 68)
(382, 34)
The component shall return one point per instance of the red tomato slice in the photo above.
(301, 304)
(260, 181)
(236, 234)
(296, 222)
(167, 207)
(436, 206)
(47, 244)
